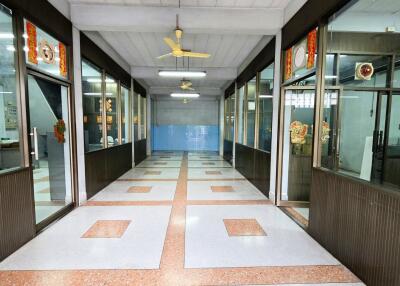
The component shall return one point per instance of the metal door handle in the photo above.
(35, 144)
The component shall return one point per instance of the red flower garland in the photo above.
(59, 130)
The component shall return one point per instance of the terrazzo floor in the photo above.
(175, 221)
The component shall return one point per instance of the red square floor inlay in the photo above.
(243, 227)
(160, 163)
(213, 173)
(221, 189)
(152, 172)
(208, 163)
(107, 229)
(139, 189)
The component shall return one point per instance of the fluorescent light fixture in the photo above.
(10, 48)
(98, 80)
(6, 92)
(185, 95)
(6, 36)
(185, 74)
(330, 76)
(265, 96)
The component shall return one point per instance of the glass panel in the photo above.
(111, 111)
(231, 116)
(143, 112)
(241, 108)
(10, 156)
(328, 140)
(392, 160)
(92, 115)
(44, 52)
(350, 64)
(125, 114)
(50, 140)
(298, 138)
(357, 123)
(227, 120)
(135, 116)
(396, 77)
(266, 108)
(251, 111)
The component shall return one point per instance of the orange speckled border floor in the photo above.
(172, 271)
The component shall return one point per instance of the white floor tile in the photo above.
(242, 190)
(118, 191)
(226, 173)
(286, 244)
(143, 173)
(205, 164)
(156, 164)
(61, 246)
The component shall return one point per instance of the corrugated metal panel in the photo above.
(17, 224)
(359, 224)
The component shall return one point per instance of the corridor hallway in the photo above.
(177, 219)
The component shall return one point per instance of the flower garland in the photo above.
(298, 132)
(59, 130)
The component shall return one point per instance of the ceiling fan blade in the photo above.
(196, 55)
(171, 44)
(164, 56)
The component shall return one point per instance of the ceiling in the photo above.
(232, 31)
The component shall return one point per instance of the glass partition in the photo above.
(231, 104)
(360, 118)
(241, 114)
(143, 112)
(135, 121)
(125, 114)
(265, 108)
(251, 112)
(92, 110)
(10, 155)
(111, 107)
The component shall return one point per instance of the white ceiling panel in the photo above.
(229, 30)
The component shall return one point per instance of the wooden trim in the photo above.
(45, 15)
(308, 17)
(260, 62)
(138, 88)
(98, 57)
(359, 223)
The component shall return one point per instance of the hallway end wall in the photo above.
(190, 126)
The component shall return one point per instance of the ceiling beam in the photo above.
(212, 73)
(251, 21)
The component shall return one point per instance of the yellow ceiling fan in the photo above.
(177, 50)
(186, 85)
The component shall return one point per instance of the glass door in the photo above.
(50, 146)
(392, 152)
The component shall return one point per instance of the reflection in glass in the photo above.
(266, 107)
(251, 111)
(231, 103)
(50, 141)
(241, 112)
(111, 107)
(9, 128)
(392, 159)
(125, 114)
(298, 138)
(143, 112)
(135, 121)
(92, 114)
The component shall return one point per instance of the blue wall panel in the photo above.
(185, 137)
